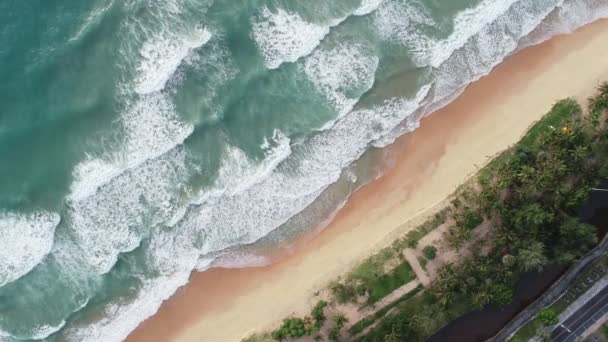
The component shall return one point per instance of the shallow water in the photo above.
(141, 140)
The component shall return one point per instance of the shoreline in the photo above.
(430, 163)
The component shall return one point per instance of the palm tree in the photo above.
(482, 298)
(423, 322)
(603, 90)
(392, 337)
(543, 334)
(340, 319)
(532, 258)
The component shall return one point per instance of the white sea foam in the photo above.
(236, 259)
(403, 21)
(342, 74)
(95, 16)
(467, 24)
(120, 318)
(284, 37)
(25, 239)
(171, 255)
(37, 333)
(89, 175)
(149, 122)
(237, 166)
(160, 58)
(367, 7)
(489, 47)
(45, 331)
(566, 18)
(239, 172)
(115, 219)
(152, 128)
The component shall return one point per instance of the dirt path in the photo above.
(393, 296)
(411, 257)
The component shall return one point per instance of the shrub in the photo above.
(292, 328)
(548, 317)
(361, 290)
(259, 338)
(422, 261)
(318, 315)
(502, 295)
(412, 237)
(343, 293)
(457, 236)
(468, 219)
(430, 252)
(340, 320)
(334, 334)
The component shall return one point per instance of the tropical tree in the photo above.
(340, 319)
(430, 252)
(599, 102)
(482, 298)
(532, 258)
(543, 334)
(508, 260)
(576, 236)
(548, 317)
(424, 320)
(393, 336)
(502, 294)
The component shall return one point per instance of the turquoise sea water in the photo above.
(141, 140)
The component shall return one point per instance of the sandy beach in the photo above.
(429, 164)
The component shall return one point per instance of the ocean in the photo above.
(142, 140)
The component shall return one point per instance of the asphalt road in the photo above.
(571, 329)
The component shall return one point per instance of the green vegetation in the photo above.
(561, 112)
(412, 237)
(318, 314)
(599, 103)
(430, 252)
(259, 338)
(422, 261)
(369, 279)
(381, 286)
(295, 327)
(412, 319)
(367, 321)
(548, 317)
(292, 327)
(339, 322)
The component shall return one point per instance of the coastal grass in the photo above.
(369, 278)
(412, 237)
(380, 287)
(418, 312)
(560, 112)
(368, 321)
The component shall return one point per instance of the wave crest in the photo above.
(25, 239)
